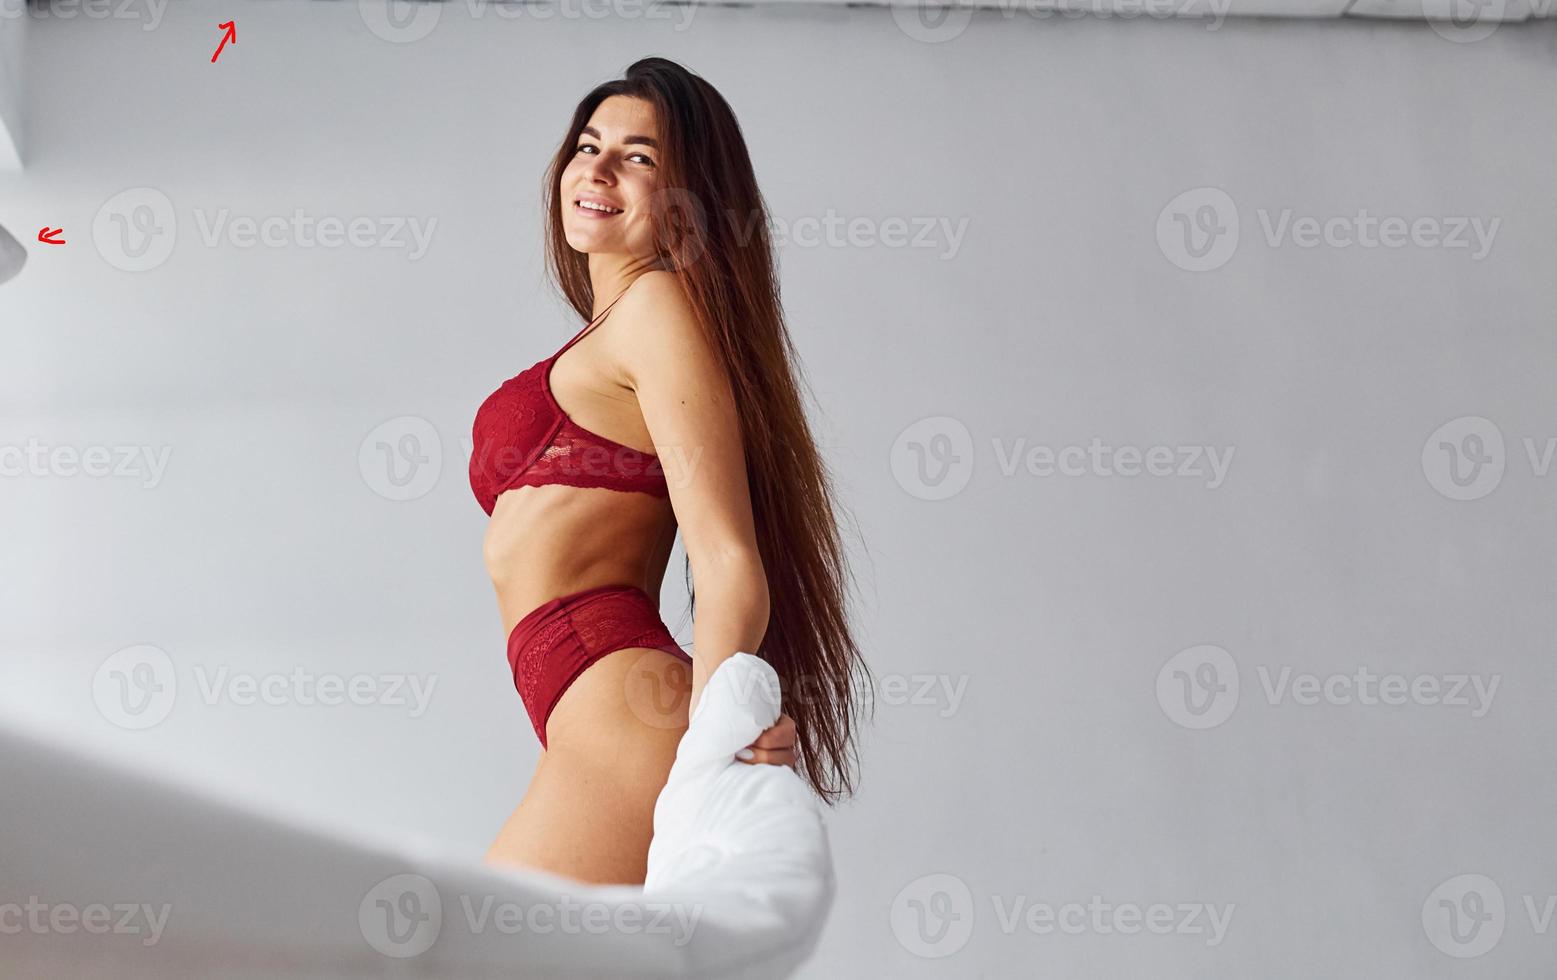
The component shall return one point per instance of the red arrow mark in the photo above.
(231, 28)
(46, 235)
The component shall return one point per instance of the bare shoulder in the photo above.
(656, 304)
(657, 326)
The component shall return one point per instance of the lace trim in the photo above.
(565, 453)
(600, 624)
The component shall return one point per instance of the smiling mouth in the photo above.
(591, 207)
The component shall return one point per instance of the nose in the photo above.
(599, 170)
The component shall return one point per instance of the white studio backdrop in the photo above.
(1206, 514)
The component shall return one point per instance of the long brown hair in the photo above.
(711, 230)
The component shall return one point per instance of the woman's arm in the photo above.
(689, 409)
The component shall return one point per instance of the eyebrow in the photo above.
(645, 140)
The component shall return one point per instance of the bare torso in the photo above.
(588, 812)
(545, 542)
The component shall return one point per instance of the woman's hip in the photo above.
(613, 636)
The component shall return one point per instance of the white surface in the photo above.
(13, 36)
(741, 877)
(1490, 10)
(1465, 11)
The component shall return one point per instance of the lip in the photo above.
(578, 207)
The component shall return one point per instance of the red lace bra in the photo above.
(523, 438)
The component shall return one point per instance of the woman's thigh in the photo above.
(589, 810)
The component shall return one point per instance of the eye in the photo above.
(595, 151)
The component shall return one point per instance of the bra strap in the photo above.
(580, 335)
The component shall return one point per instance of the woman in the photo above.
(677, 407)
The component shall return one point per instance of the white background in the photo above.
(1048, 603)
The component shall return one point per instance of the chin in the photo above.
(584, 242)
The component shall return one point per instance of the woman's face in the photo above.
(613, 164)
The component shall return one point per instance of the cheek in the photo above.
(643, 204)
(570, 172)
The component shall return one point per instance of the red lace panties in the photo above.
(550, 647)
